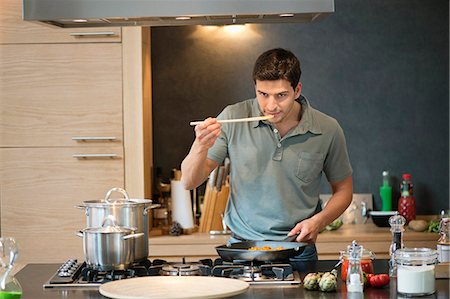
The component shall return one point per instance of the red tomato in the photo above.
(379, 280)
(366, 266)
(368, 277)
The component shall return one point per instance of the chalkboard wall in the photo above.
(381, 68)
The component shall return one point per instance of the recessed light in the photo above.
(286, 15)
(79, 21)
(182, 18)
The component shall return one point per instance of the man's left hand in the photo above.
(307, 229)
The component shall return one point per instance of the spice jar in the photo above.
(366, 262)
(416, 271)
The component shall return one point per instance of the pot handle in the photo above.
(79, 234)
(134, 236)
(83, 207)
(153, 206)
(120, 190)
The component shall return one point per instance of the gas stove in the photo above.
(75, 274)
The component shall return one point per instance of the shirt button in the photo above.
(279, 145)
(275, 130)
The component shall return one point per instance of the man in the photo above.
(276, 164)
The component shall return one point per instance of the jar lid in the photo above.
(416, 256)
(366, 254)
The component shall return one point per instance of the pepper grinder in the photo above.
(355, 279)
(397, 223)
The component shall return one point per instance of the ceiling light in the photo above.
(79, 21)
(286, 15)
(182, 18)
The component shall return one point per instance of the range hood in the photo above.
(105, 13)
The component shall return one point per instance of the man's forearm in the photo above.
(338, 203)
(194, 168)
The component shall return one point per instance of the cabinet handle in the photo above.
(85, 138)
(93, 156)
(97, 33)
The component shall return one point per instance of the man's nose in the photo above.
(271, 104)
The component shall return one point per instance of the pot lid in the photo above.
(111, 228)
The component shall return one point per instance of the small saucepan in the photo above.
(240, 251)
(109, 247)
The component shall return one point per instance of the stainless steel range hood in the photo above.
(104, 13)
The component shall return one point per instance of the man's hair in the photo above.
(277, 64)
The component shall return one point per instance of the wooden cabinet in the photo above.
(40, 188)
(14, 30)
(55, 91)
(51, 93)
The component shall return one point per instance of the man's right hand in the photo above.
(206, 133)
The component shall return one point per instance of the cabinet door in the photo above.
(51, 93)
(40, 188)
(14, 30)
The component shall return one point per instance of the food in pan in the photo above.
(266, 248)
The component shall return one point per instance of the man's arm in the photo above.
(196, 167)
(338, 203)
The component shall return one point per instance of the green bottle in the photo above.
(386, 193)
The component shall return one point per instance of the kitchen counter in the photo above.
(33, 276)
(329, 243)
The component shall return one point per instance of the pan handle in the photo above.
(291, 238)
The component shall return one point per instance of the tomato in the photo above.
(367, 277)
(379, 280)
(366, 266)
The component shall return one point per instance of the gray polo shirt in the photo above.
(274, 181)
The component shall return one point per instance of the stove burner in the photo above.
(181, 270)
(253, 273)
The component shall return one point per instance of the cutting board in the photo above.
(179, 287)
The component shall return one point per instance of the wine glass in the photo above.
(9, 286)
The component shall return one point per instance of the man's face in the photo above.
(277, 98)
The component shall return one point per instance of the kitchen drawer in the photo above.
(13, 30)
(39, 190)
(54, 92)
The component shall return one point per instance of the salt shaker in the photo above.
(397, 223)
(355, 279)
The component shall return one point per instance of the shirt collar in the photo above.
(307, 121)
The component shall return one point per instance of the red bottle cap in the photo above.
(406, 176)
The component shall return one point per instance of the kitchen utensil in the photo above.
(180, 287)
(109, 247)
(240, 251)
(236, 120)
(127, 212)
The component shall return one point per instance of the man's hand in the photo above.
(307, 229)
(207, 132)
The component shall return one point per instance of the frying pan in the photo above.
(239, 251)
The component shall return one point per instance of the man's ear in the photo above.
(298, 90)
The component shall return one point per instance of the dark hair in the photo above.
(277, 64)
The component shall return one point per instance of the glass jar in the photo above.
(416, 271)
(443, 246)
(366, 262)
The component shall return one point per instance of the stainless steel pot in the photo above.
(127, 212)
(109, 247)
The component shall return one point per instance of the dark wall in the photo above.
(381, 68)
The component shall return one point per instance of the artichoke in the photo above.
(328, 282)
(311, 281)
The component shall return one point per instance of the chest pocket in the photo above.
(309, 166)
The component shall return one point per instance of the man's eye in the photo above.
(263, 94)
(282, 95)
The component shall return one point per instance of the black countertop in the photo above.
(33, 276)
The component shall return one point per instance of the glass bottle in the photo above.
(443, 246)
(9, 286)
(386, 193)
(406, 203)
(397, 223)
(355, 278)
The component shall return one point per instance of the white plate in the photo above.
(176, 287)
